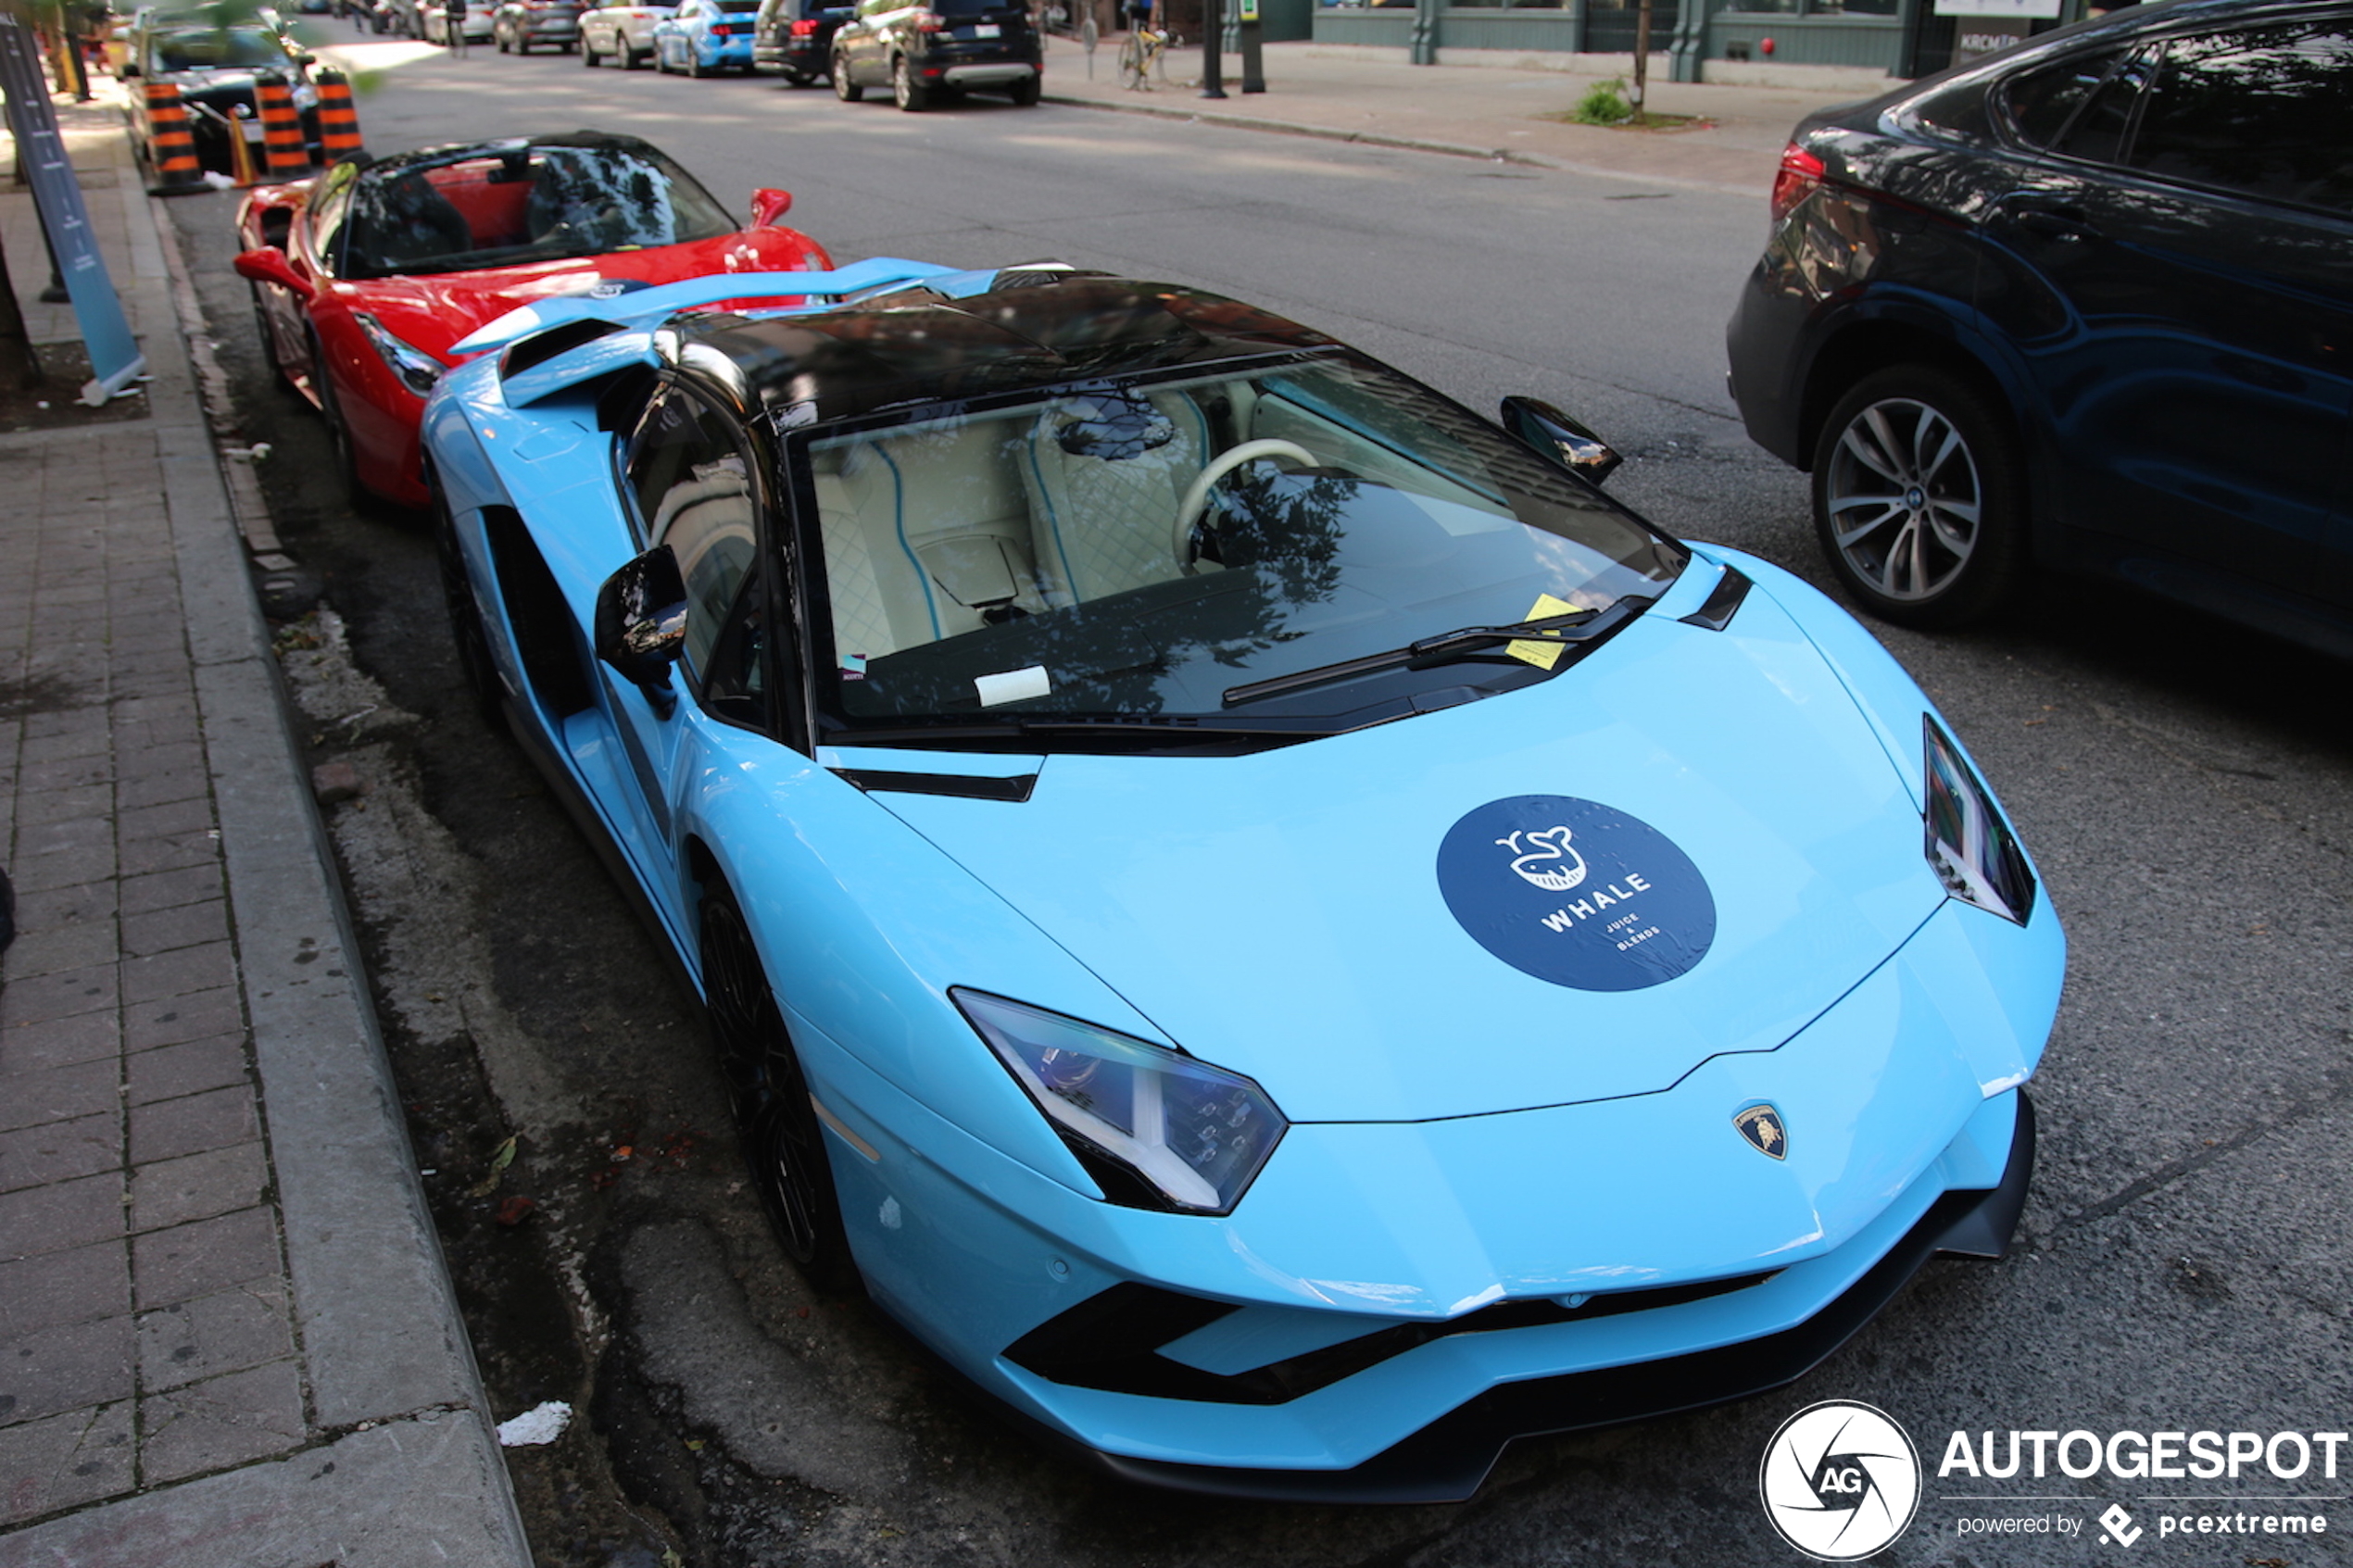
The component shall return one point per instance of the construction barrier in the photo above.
(288, 153)
(338, 118)
(171, 141)
(241, 163)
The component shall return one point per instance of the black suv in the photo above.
(798, 36)
(2086, 304)
(921, 50)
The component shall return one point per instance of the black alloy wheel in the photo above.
(783, 1141)
(905, 90)
(472, 638)
(848, 91)
(1919, 498)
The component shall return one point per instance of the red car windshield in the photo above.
(511, 206)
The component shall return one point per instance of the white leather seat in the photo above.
(1104, 523)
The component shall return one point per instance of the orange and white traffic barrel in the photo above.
(282, 142)
(171, 141)
(338, 118)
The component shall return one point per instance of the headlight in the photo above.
(1969, 844)
(416, 370)
(1167, 1130)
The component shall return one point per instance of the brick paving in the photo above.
(194, 1367)
(117, 1156)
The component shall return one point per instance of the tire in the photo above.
(905, 90)
(631, 59)
(1131, 63)
(1919, 497)
(587, 55)
(784, 1143)
(472, 639)
(694, 64)
(363, 500)
(849, 91)
(278, 376)
(1024, 93)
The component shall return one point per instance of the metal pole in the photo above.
(1213, 58)
(1424, 38)
(1253, 61)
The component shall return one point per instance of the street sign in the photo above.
(115, 359)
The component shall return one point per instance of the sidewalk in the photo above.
(1486, 110)
(226, 1337)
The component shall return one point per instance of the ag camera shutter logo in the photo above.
(1840, 1480)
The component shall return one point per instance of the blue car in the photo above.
(1275, 927)
(703, 37)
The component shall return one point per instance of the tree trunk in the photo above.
(1642, 58)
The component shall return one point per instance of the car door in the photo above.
(2191, 229)
(690, 486)
(863, 41)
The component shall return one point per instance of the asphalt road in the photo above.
(2188, 790)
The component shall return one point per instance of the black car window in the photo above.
(2268, 111)
(736, 685)
(2041, 102)
(688, 471)
(2097, 133)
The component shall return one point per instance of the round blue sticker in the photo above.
(1576, 893)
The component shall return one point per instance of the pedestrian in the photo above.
(453, 13)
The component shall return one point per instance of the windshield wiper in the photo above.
(1577, 626)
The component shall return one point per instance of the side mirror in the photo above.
(1564, 440)
(268, 265)
(769, 204)
(641, 624)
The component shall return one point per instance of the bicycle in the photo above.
(1143, 49)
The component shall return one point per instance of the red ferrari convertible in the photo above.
(363, 277)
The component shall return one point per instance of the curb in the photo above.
(1320, 132)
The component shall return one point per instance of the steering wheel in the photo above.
(1196, 499)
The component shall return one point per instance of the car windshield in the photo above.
(1145, 548)
(211, 48)
(507, 205)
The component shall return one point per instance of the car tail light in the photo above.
(804, 28)
(1801, 175)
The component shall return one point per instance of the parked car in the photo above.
(213, 64)
(479, 18)
(797, 36)
(618, 29)
(1273, 925)
(520, 26)
(2086, 305)
(364, 277)
(704, 37)
(922, 49)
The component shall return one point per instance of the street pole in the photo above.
(1213, 45)
(1253, 61)
(1424, 38)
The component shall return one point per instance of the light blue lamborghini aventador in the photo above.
(1281, 931)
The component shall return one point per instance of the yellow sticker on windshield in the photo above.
(1542, 653)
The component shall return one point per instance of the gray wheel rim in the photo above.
(1904, 499)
